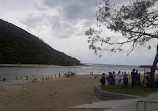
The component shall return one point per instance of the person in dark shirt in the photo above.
(102, 81)
(125, 79)
(133, 77)
(137, 77)
(110, 78)
(148, 80)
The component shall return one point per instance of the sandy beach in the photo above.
(57, 94)
(31, 65)
(50, 95)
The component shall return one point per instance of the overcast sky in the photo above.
(62, 24)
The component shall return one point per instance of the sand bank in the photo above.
(51, 95)
(30, 65)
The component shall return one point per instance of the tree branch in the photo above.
(143, 33)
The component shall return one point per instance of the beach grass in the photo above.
(137, 90)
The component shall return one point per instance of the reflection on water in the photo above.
(10, 73)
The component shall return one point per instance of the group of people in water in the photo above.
(31, 78)
(122, 78)
(40, 78)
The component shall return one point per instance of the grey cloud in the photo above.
(63, 25)
(74, 9)
(70, 13)
(60, 28)
(32, 22)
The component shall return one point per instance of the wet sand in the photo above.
(30, 65)
(50, 95)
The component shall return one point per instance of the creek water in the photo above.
(10, 73)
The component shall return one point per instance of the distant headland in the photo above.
(18, 46)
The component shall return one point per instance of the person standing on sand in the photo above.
(125, 79)
(110, 78)
(102, 81)
(113, 78)
(119, 77)
(137, 78)
(133, 77)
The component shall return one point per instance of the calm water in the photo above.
(11, 72)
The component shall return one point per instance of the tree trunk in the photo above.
(154, 67)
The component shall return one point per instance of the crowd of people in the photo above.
(122, 78)
(32, 78)
(36, 78)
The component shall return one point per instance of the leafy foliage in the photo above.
(135, 24)
(19, 46)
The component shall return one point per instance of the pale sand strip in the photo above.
(30, 65)
(51, 95)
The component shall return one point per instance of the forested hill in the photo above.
(17, 46)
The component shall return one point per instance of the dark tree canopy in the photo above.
(135, 24)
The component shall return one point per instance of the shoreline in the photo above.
(31, 65)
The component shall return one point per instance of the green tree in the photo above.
(135, 23)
